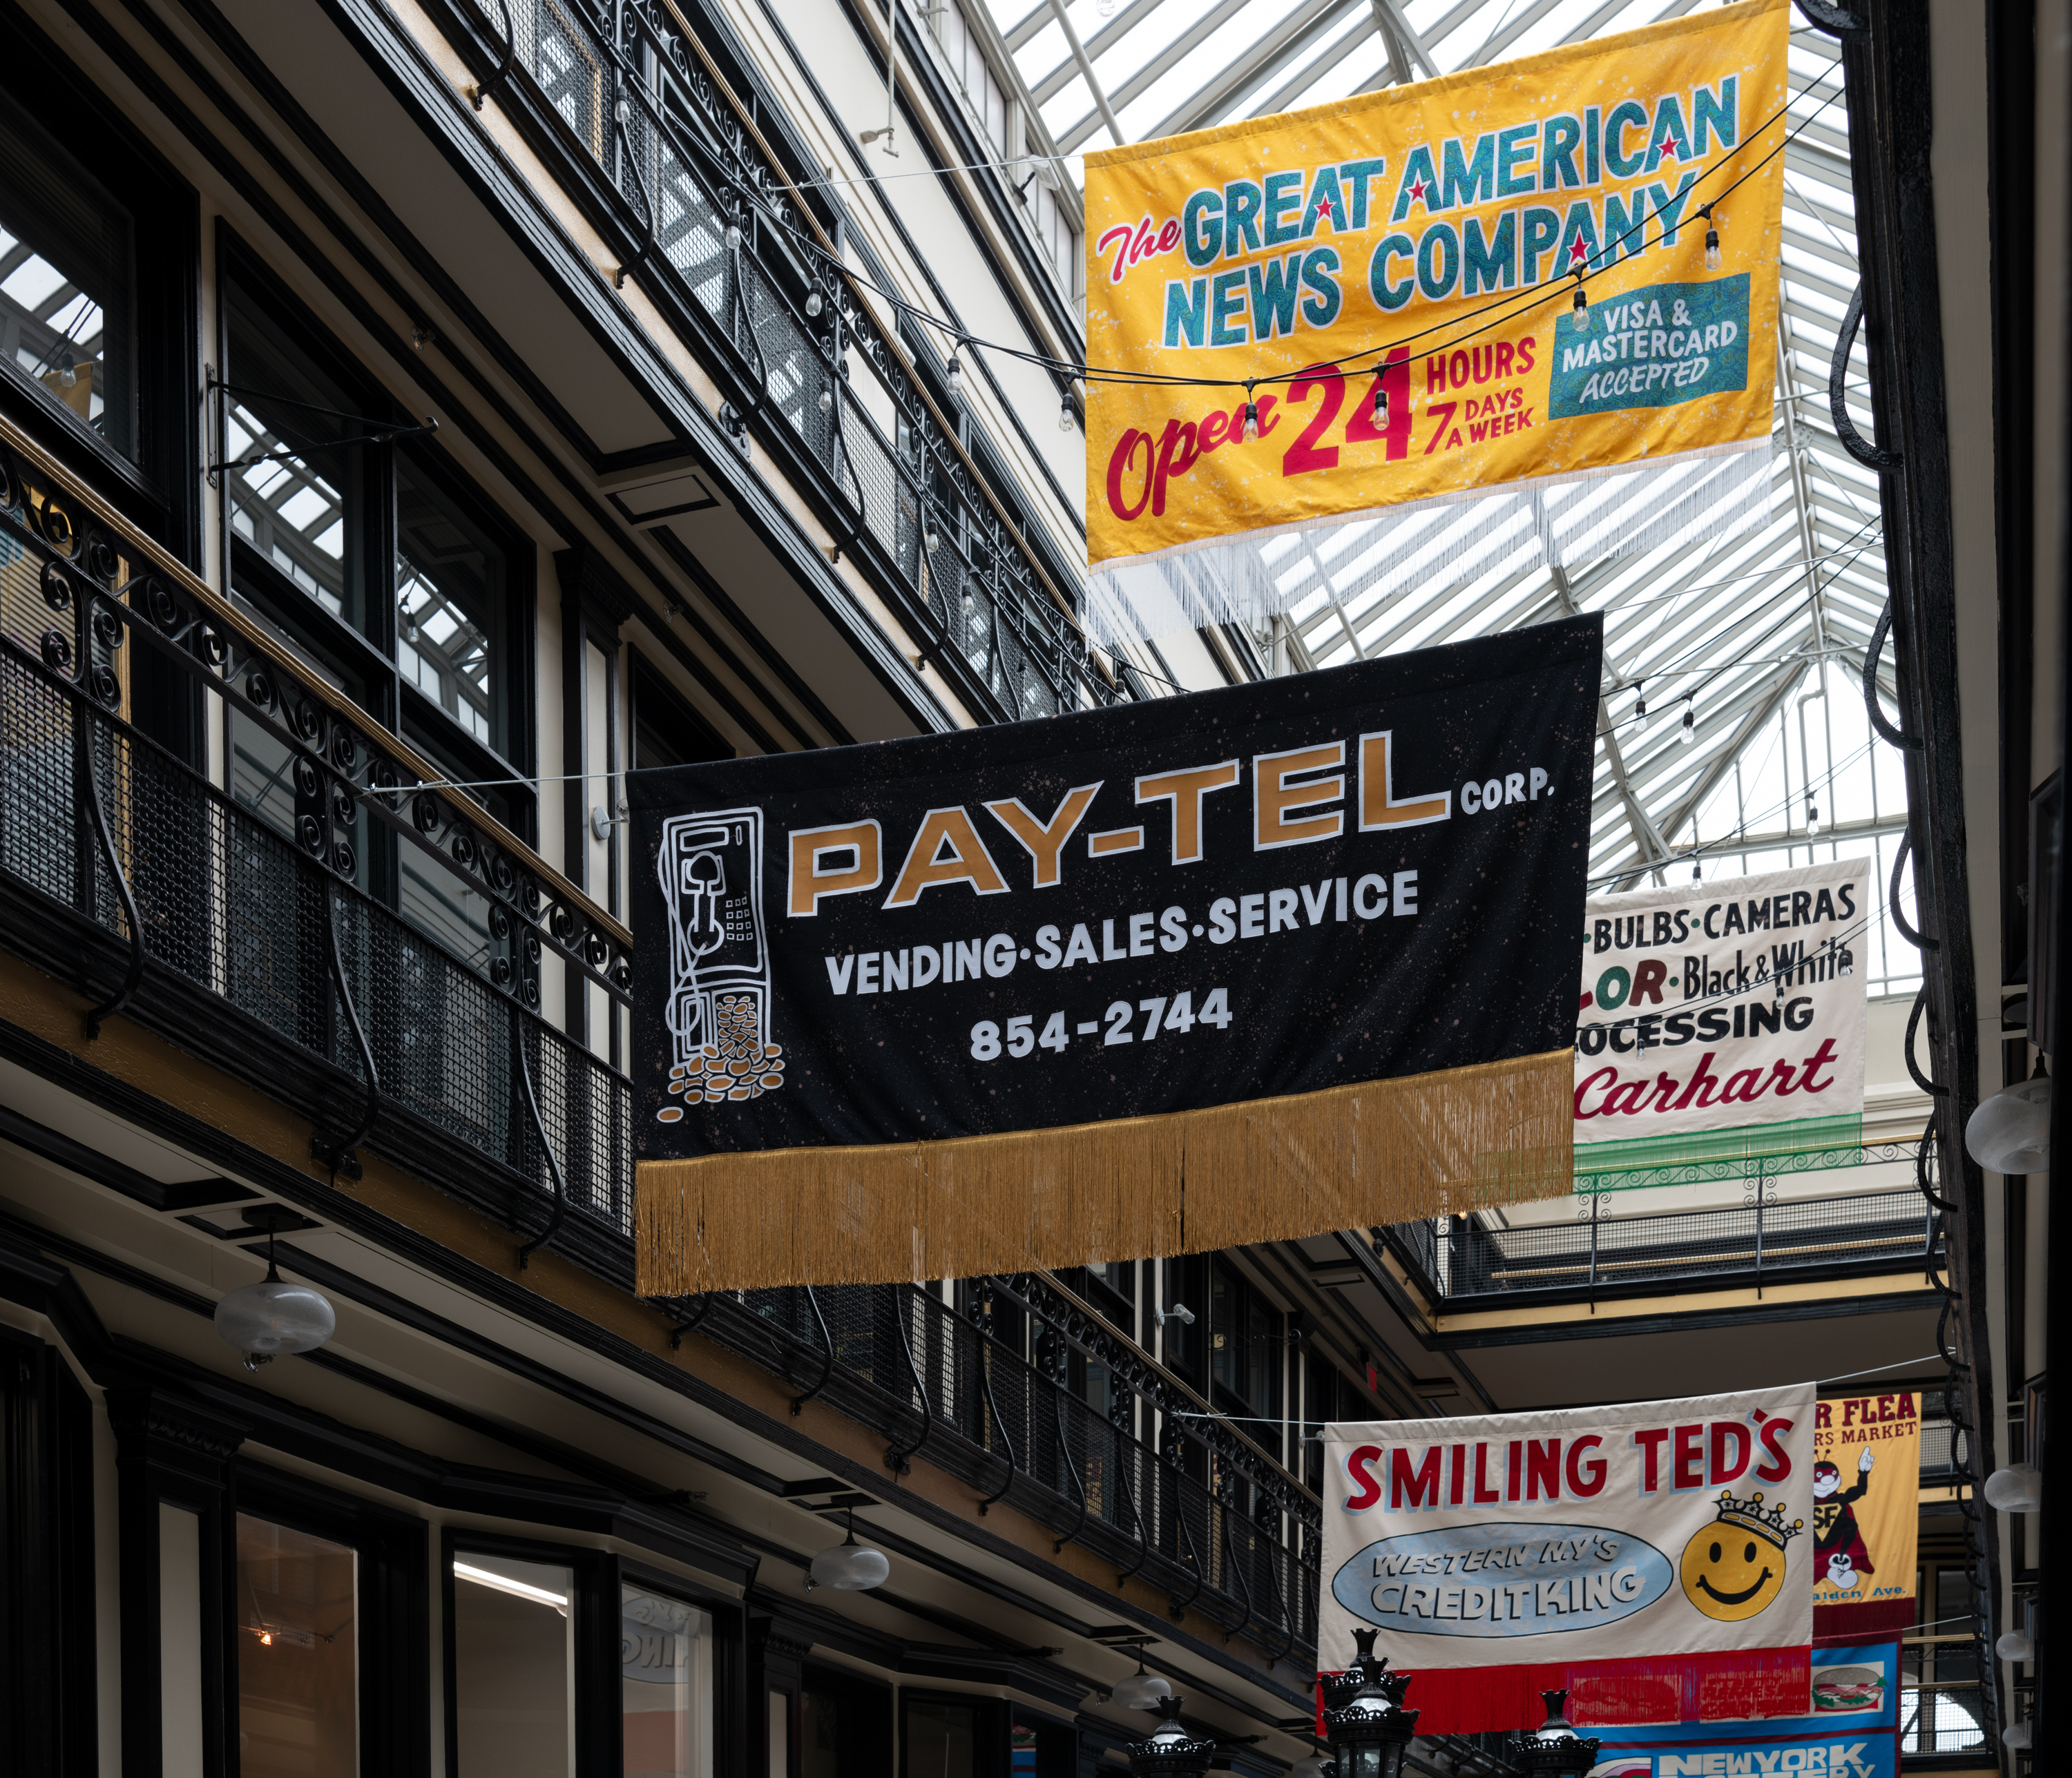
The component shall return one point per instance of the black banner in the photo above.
(1348, 875)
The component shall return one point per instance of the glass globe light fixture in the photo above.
(2010, 1132)
(2018, 1646)
(1554, 1749)
(2018, 1488)
(1369, 1731)
(273, 1318)
(2017, 1737)
(1142, 1690)
(1170, 1752)
(849, 1566)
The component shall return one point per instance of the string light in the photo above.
(815, 302)
(1251, 414)
(1697, 872)
(732, 236)
(827, 399)
(1711, 238)
(1690, 724)
(1812, 816)
(1634, 239)
(956, 377)
(1380, 406)
(1065, 418)
(1640, 717)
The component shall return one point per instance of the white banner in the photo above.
(1644, 1531)
(1735, 1005)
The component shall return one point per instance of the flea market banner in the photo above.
(1722, 1022)
(1182, 974)
(1395, 276)
(1866, 1516)
(1639, 1555)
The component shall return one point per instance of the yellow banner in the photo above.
(1396, 275)
(1866, 1503)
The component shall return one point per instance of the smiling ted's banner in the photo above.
(1722, 1022)
(1655, 1558)
(1396, 275)
(1241, 965)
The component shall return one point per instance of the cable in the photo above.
(1540, 293)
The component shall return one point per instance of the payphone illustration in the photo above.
(718, 1008)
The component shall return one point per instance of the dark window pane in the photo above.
(451, 604)
(67, 281)
(666, 730)
(299, 497)
(514, 1667)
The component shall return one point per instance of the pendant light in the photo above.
(273, 1317)
(2010, 1132)
(1142, 1690)
(848, 1567)
(2018, 1488)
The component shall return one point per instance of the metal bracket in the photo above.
(828, 1360)
(899, 1462)
(482, 90)
(1868, 454)
(108, 1008)
(546, 1148)
(341, 1158)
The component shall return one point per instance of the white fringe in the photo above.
(1576, 521)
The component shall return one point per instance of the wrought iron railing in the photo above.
(1472, 1257)
(129, 875)
(256, 944)
(1187, 1506)
(624, 88)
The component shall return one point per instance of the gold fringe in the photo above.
(1274, 1169)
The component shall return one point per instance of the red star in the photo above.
(1578, 253)
(1324, 208)
(1670, 150)
(1417, 189)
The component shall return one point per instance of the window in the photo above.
(451, 608)
(297, 1644)
(514, 1666)
(666, 730)
(950, 1737)
(665, 1661)
(1054, 229)
(1246, 1344)
(66, 283)
(970, 73)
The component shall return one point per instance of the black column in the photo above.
(177, 1453)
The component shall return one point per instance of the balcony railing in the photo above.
(1469, 1260)
(1198, 1512)
(626, 97)
(129, 876)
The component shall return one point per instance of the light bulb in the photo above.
(815, 302)
(1639, 718)
(931, 539)
(1582, 297)
(1251, 419)
(1812, 817)
(1065, 416)
(1697, 872)
(2016, 1646)
(827, 400)
(266, 1639)
(1380, 406)
(2017, 1737)
(957, 375)
(1690, 726)
(733, 236)
(1712, 250)
(2010, 1132)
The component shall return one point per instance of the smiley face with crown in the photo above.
(1734, 1567)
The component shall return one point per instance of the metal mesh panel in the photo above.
(231, 905)
(557, 48)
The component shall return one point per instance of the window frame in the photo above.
(392, 1605)
(335, 641)
(729, 1698)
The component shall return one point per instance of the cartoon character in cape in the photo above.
(1840, 1555)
